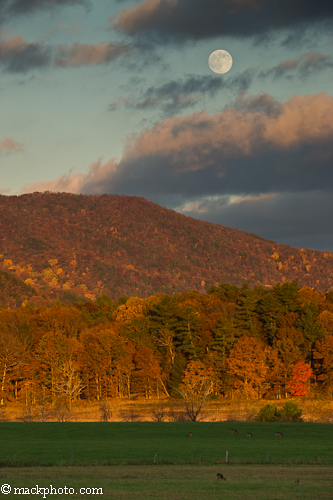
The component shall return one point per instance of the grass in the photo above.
(146, 443)
(179, 483)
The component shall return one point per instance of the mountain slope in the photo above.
(64, 245)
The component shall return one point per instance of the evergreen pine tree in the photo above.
(246, 316)
(269, 315)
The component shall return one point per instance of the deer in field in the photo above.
(297, 482)
(249, 435)
(220, 476)
(279, 434)
(234, 431)
(190, 434)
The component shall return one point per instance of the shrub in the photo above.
(268, 413)
(290, 412)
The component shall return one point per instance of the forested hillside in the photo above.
(64, 246)
(232, 342)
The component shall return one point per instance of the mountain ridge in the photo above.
(67, 246)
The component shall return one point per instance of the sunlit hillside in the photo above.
(63, 246)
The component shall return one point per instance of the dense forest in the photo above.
(70, 247)
(229, 341)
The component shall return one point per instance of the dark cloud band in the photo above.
(203, 19)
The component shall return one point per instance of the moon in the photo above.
(220, 61)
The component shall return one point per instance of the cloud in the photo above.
(80, 54)
(8, 145)
(67, 183)
(256, 146)
(72, 183)
(173, 104)
(296, 219)
(121, 101)
(19, 7)
(301, 66)
(263, 103)
(18, 55)
(259, 165)
(176, 95)
(203, 19)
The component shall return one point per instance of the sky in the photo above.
(116, 96)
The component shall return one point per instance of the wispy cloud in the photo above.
(80, 54)
(302, 66)
(17, 55)
(19, 7)
(9, 145)
(175, 96)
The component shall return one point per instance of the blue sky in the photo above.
(116, 96)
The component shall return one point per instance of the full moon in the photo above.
(220, 61)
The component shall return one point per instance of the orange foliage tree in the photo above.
(197, 384)
(323, 362)
(148, 372)
(246, 363)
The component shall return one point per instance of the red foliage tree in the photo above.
(298, 385)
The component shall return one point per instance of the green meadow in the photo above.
(173, 482)
(155, 443)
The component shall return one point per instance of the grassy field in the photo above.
(176, 483)
(148, 443)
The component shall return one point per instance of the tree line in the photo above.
(229, 341)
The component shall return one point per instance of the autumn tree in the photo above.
(325, 321)
(11, 358)
(58, 318)
(124, 369)
(100, 350)
(275, 373)
(165, 339)
(197, 384)
(298, 385)
(226, 292)
(247, 364)
(307, 295)
(289, 343)
(69, 384)
(134, 308)
(52, 352)
(323, 362)
(210, 310)
(148, 373)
